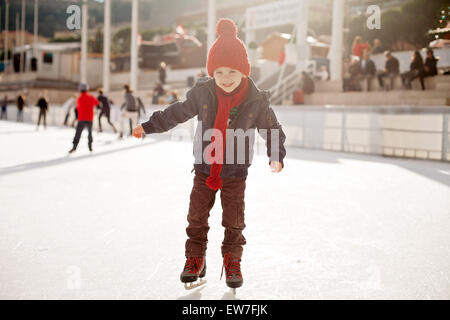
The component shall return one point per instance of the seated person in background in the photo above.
(377, 47)
(351, 82)
(430, 67)
(306, 83)
(391, 68)
(323, 74)
(415, 70)
(305, 86)
(368, 68)
(345, 73)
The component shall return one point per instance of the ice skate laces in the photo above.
(193, 264)
(231, 266)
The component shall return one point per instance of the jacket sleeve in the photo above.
(267, 120)
(174, 114)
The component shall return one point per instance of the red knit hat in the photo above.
(228, 50)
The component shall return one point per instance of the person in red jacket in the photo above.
(358, 47)
(85, 107)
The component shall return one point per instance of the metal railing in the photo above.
(295, 119)
(287, 85)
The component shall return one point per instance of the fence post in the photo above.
(343, 131)
(445, 143)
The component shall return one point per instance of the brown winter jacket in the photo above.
(201, 101)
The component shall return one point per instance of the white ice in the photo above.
(111, 224)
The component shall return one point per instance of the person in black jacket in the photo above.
(377, 47)
(42, 103)
(105, 110)
(20, 106)
(430, 66)
(368, 69)
(416, 71)
(391, 69)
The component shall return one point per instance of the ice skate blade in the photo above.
(193, 285)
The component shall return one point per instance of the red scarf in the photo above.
(226, 102)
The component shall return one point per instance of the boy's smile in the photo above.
(227, 79)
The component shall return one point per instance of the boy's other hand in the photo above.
(138, 132)
(276, 166)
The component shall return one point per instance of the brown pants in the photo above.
(201, 202)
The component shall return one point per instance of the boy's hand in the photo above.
(276, 166)
(138, 131)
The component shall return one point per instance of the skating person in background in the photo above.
(229, 99)
(162, 72)
(130, 111)
(43, 108)
(105, 107)
(4, 114)
(85, 106)
(70, 104)
(20, 105)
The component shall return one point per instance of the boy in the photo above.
(229, 100)
(85, 107)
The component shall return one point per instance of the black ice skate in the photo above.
(194, 268)
(233, 273)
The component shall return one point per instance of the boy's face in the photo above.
(227, 79)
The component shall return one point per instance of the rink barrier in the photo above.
(392, 131)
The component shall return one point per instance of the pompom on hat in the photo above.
(228, 50)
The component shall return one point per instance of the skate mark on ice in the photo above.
(19, 244)
(107, 233)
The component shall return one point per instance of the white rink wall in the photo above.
(398, 131)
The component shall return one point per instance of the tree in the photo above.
(121, 41)
(96, 44)
(408, 24)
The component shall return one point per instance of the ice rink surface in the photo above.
(111, 224)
